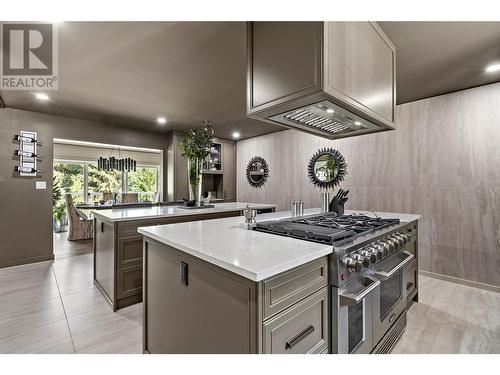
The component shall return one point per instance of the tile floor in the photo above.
(64, 248)
(451, 318)
(55, 308)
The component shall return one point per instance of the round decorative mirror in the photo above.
(257, 171)
(327, 168)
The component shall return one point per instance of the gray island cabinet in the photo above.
(192, 306)
(216, 287)
(118, 250)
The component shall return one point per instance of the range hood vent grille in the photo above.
(304, 117)
(325, 117)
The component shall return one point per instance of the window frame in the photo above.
(124, 176)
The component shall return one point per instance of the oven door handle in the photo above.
(384, 275)
(351, 299)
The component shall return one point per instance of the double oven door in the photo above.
(366, 307)
(390, 297)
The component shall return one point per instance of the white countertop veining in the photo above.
(251, 254)
(137, 213)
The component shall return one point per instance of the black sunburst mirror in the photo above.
(257, 171)
(327, 168)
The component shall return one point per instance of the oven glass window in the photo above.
(390, 293)
(356, 328)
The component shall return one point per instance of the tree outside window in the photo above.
(143, 181)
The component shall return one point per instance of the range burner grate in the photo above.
(327, 228)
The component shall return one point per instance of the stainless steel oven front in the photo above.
(352, 311)
(389, 298)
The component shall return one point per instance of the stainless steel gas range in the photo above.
(372, 274)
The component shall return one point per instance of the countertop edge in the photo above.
(187, 212)
(253, 276)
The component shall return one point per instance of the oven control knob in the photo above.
(388, 247)
(393, 245)
(352, 264)
(364, 261)
(377, 250)
(402, 238)
(383, 247)
(368, 254)
(397, 240)
(361, 260)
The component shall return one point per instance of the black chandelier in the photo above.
(115, 164)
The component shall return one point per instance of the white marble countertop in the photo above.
(251, 254)
(137, 213)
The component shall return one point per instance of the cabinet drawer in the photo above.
(129, 281)
(129, 251)
(301, 329)
(411, 277)
(284, 290)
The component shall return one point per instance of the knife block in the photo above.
(336, 206)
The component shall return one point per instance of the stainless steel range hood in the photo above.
(332, 79)
(326, 119)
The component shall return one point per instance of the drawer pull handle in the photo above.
(409, 286)
(300, 336)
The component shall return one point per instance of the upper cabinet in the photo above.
(333, 79)
(219, 170)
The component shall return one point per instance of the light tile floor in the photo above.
(452, 318)
(55, 308)
(64, 248)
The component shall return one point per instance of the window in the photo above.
(84, 179)
(99, 182)
(70, 178)
(143, 181)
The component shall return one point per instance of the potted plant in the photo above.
(195, 147)
(58, 207)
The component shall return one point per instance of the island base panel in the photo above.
(214, 313)
(104, 257)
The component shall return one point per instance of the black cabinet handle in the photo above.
(184, 273)
(102, 227)
(409, 286)
(298, 337)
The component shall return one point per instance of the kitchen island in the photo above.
(217, 287)
(118, 245)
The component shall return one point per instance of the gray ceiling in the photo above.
(434, 58)
(131, 73)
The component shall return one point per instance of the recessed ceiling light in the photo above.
(41, 96)
(329, 110)
(236, 134)
(493, 68)
(357, 122)
(161, 120)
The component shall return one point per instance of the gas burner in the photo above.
(328, 228)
